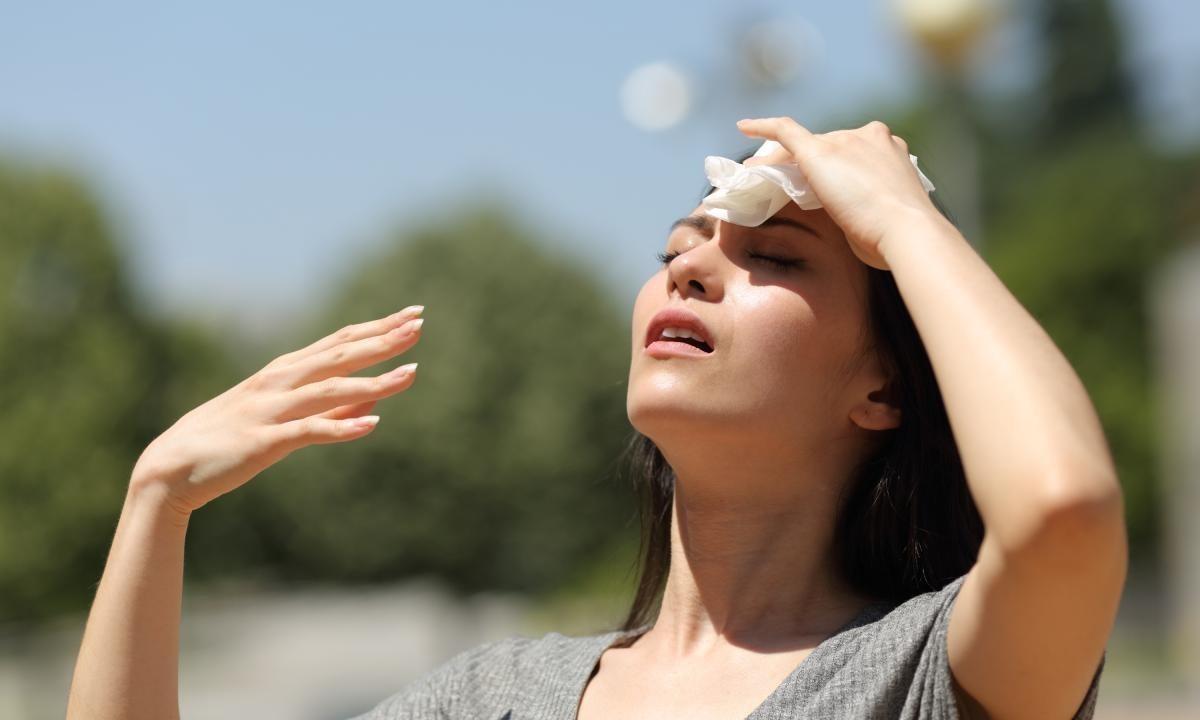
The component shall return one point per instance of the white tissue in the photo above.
(749, 195)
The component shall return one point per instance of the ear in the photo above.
(878, 411)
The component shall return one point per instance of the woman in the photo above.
(822, 556)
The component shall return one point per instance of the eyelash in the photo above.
(666, 257)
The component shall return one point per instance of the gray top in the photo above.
(888, 662)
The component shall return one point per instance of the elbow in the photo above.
(1078, 517)
(1083, 500)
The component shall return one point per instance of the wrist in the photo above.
(915, 225)
(153, 496)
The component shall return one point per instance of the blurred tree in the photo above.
(85, 382)
(1085, 208)
(1077, 245)
(1085, 81)
(497, 468)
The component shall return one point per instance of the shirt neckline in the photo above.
(870, 613)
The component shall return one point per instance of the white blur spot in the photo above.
(946, 21)
(774, 52)
(656, 96)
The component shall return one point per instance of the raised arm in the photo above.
(1029, 626)
(1030, 623)
(128, 661)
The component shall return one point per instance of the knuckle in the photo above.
(880, 127)
(261, 379)
(345, 334)
(328, 387)
(306, 427)
(285, 359)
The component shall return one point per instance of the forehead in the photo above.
(790, 220)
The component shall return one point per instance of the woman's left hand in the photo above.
(863, 178)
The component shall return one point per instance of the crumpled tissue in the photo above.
(749, 195)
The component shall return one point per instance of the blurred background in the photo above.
(188, 192)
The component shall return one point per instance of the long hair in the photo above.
(907, 523)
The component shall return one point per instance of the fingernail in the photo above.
(404, 370)
(365, 421)
(412, 328)
(410, 311)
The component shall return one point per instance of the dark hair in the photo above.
(907, 522)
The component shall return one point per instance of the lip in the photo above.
(680, 318)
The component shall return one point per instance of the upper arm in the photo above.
(1028, 629)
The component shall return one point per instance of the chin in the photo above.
(662, 417)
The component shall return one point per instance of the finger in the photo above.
(314, 430)
(350, 357)
(778, 157)
(787, 132)
(351, 333)
(877, 126)
(349, 411)
(320, 397)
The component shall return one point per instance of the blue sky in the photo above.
(245, 150)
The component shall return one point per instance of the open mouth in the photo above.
(682, 335)
(678, 332)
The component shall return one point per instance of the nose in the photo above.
(697, 272)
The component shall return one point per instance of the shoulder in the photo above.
(893, 631)
(900, 658)
(491, 676)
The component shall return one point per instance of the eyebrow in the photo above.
(776, 220)
(703, 223)
(706, 224)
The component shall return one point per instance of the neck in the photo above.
(752, 561)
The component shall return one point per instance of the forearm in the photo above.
(1031, 443)
(128, 665)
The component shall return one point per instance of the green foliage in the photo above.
(1077, 244)
(84, 383)
(1084, 79)
(497, 469)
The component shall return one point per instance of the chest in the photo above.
(626, 687)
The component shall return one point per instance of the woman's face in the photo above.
(785, 339)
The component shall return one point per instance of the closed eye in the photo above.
(774, 261)
(666, 257)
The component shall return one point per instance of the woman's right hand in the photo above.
(298, 399)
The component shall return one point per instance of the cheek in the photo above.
(774, 326)
(790, 343)
(643, 308)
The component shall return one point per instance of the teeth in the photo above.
(672, 332)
